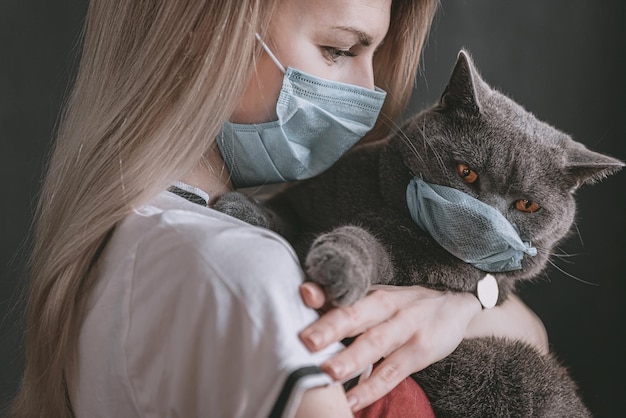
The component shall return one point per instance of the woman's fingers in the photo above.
(374, 344)
(340, 323)
(410, 327)
(433, 328)
(312, 295)
(386, 376)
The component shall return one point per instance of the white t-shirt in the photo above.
(194, 313)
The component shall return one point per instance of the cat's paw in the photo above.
(242, 207)
(341, 263)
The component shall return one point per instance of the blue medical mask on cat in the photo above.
(466, 227)
(318, 121)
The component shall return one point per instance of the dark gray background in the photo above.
(562, 59)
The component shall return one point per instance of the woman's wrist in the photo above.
(470, 304)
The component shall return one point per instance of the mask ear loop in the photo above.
(271, 54)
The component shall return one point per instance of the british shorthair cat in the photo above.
(473, 188)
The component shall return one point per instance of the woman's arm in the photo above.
(512, 319)
(411, 327)
(326, 401)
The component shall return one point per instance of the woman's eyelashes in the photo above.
(334, 54)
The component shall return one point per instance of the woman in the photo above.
(144, 303)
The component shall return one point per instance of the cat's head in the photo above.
(481, 142)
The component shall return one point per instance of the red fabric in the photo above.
(406, 400)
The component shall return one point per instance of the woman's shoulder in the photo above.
(202, 241)
(169, 219)
(178, 282)
(167, 251)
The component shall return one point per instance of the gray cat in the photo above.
(351, 226)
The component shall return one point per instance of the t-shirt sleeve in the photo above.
(214, 322)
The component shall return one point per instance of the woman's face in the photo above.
(332, 39)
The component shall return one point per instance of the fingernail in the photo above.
(305, 293)
(352, 401)
(336, 369)
(314, 339)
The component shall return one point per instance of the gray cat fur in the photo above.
(351, 228)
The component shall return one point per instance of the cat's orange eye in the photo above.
(467, 174)
(527, 206)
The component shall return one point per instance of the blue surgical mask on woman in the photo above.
(468, 228)
(318, 121)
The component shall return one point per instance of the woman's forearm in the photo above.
(512, 319)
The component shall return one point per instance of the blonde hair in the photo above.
(155, 83)
(397, 60)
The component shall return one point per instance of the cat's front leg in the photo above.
(247, 209)
(345, 262)
(417, 258)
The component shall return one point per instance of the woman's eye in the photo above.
(334, 54)
(527, 206)
(467, 174)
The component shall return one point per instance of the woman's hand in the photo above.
(410, 327)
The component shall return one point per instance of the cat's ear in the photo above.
(463, 90)
(585, 166)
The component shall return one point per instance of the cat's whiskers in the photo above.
(561, 256)
(427, 143)
(391, 124)
(571, 275)
(580, 237)
(405, 138)
(397, 129)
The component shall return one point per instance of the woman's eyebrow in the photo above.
(363, 38)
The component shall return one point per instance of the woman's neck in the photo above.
(211, 176)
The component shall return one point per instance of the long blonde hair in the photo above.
(156, 81)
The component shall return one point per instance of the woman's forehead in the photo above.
(368, 19)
